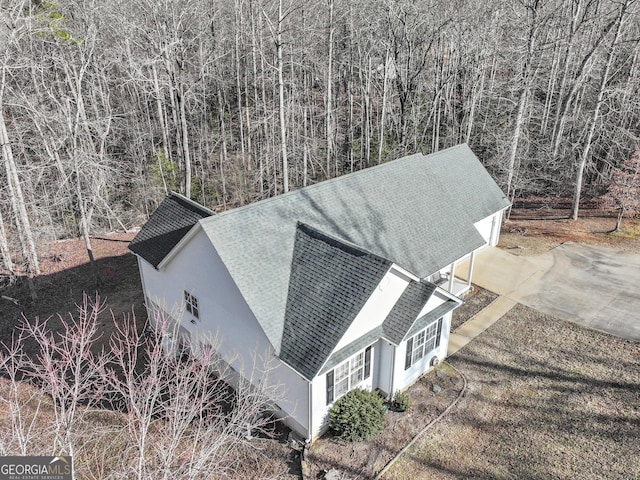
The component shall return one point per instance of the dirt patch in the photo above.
(531, 231)
(364, 459)
(475, 300)
(546, 399)
(66, 277)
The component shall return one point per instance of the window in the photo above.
(192, 304)
(348, 375)
(423, 343)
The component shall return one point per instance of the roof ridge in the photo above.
(343, 242)
(191, 204)
(330, 181)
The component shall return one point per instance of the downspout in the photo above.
(393, 370)
(471, 260)
(310, 411)
(144, 287)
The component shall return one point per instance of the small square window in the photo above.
(191, 303)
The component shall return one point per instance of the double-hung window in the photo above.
(423, 343)
(348, 375)
(191, 304)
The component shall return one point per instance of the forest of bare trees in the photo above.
(106, 105)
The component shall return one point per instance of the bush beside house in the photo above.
(357, 416)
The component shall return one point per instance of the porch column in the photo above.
(471, 260)
(451, 275)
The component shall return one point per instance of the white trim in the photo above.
(407, 273)
(448, 294)
(310, 413)
(178, 246)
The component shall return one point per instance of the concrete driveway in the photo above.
(595, 286)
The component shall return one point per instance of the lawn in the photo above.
(546, 399)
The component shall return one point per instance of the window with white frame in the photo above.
(191, 303)
(348, 375)
(423, 343)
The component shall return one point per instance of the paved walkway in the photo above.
(594, 286)
(479, 323)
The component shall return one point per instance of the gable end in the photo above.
(328, 286)
(170, 222)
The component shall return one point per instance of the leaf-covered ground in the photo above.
(535, 230)
(474, 301)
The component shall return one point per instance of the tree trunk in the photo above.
(283, 128)
(238, 31)
(17, 201)
(85, 228)
(385, 88)
(619, 220)
(223, 151)
(329, 102)
(185, 142)
(4, 248)
(161, 119)
(522, 103)
(594, 118)
(515, 138)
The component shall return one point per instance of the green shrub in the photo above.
(401, 401)
(357, 416)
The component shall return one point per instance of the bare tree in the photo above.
(21, 404)
(182, 416)
(10, 37)
(67, 369)
(624, 190)
(170, 412)
(586, 148)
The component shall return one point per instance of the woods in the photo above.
(106, 106)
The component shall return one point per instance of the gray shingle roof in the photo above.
(328, 285)
(171, 221)
(431, 317)
(417, 212)
(352, 348)
(400, 324)
(406, 310)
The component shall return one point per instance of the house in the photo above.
(347, 283)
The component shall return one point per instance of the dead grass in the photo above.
(546, 399)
